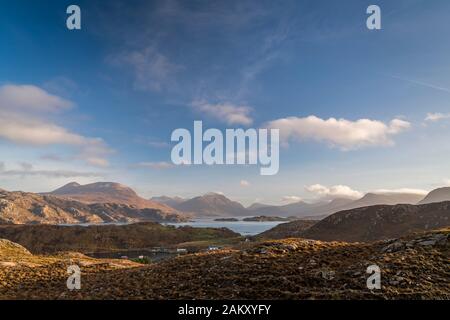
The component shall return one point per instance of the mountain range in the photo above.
(113, 202)
(214, 204)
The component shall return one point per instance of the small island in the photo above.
(266, 219)
(226, 219)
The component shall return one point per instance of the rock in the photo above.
(394, 247)
(427, 243)
(328, 274)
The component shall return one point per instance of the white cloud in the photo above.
(225, 112)
(434, 117)
(155, 165)
(333, 192)
(244, 183)
(291, 199)
(23, 111)
(30, 98)
(401, 190)
(341, 133)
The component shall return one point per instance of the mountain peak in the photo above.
(437, 195)
(212, 204)
(107, 192)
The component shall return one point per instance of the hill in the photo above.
(44, 239)
(380, 222)
(437, 195)
(292, 229)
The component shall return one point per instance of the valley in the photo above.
(130, 251)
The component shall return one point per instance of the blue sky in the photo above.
(103, 101)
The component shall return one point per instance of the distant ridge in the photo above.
(371, 199)
(321, 209)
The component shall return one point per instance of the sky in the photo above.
(358, 110)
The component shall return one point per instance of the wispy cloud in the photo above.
(29, 171)
(342, 133)
(244, 183)
(226, 112)
(152, 70)
(155, 165)
(434, 117)
(423, 84)
(291, 199)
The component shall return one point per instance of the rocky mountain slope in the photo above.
(437, 195)
(102, 238)
(414, 267)
(380, 222)
(108, 192)
(31, 208)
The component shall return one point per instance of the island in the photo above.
(266, 218)
(226, 219)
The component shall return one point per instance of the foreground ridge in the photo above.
(413, 267)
